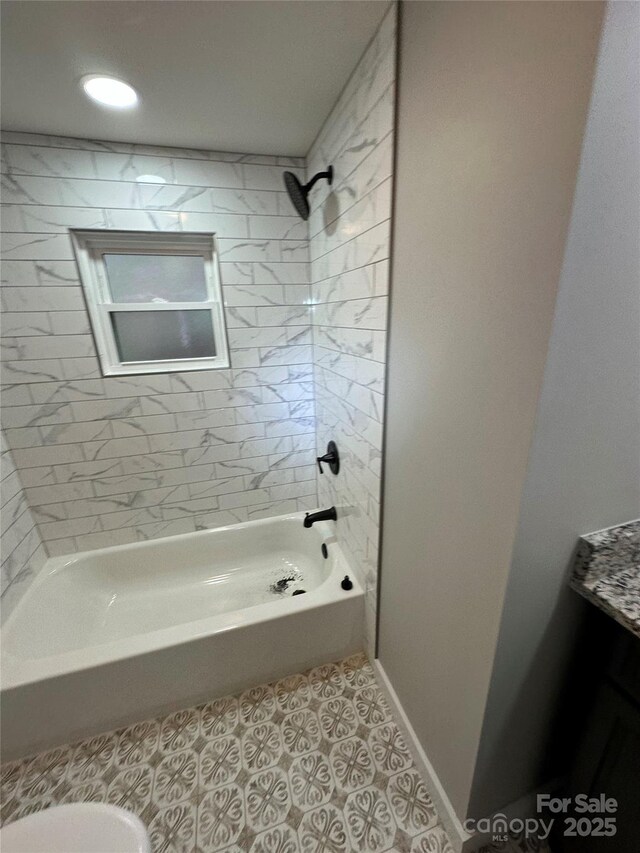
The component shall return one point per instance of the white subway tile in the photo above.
(61, 547)
(281, 273)
(130, 167)
(32, 416)
(167, 403)
(244, 499)
(94, 410)
(272, 508)
(249, 250)
(55, 346)
(277, 228)
(230, 226)
(69, 323)
(135, 425)
(80, 368)
(24, 324)
(55, 494)
(98, 193)
(91, 541)
(211, 520)
(253, 295)
(262, 412)
(42, 299)
(40, 218)
(159, 529)
(143, 220)
(37, 456)
(125, 483)
(210, 174)
(16, 395)
(263, 177)
(206, 418)
(36, 246)
(71, 433)
(48, 161)
(53, 530)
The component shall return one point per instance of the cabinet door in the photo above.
(609, 763)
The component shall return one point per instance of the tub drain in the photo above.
(282, 585)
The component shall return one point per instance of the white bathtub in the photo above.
(105, 638)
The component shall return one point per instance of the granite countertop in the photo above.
(607, 572)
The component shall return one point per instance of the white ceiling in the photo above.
(229, 75)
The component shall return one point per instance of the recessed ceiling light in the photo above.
(109, 91)
(151, 179)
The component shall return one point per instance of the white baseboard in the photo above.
(461, 840)
(454, 829)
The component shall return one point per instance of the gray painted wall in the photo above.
(492, 103)
(584, 466)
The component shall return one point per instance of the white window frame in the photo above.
(90, 246)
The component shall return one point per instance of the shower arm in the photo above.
(328, 175)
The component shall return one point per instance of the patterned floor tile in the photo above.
(324, 830)
(433, 841)
(179, 731)
(292, 693)
(388, 749)
(301, 732)
(22, 809)
(43, 774)
(131, 788)
(219, 717)
(220, 818)
(10, 779)
(257, 705)
(173, 830)
(369, 819)
(220, 762)
(370, 706)
(358, 672)
(338, 719)
(268, 799)
(91, 759)
(326, 681)
(137, 743)
(311, 763)
(311, 781)
(176, 777)
(261, 746)
(94, 791)
(352, 764)
(410, 802)
(281, 839)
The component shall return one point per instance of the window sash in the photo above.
(90, 246)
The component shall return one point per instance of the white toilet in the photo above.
(77, 828)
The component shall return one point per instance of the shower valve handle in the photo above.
(331, 458)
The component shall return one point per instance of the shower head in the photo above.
(298, 192)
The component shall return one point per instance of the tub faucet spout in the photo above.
(322, 515)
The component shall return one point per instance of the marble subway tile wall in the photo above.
(23, 552)
(349, 248)
(111, 460)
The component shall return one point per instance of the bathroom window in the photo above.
(154, 300)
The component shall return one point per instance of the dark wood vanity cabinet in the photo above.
(607, 760)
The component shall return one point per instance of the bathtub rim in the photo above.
(17, 672)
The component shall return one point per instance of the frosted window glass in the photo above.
(156, 278)
(160, 335)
